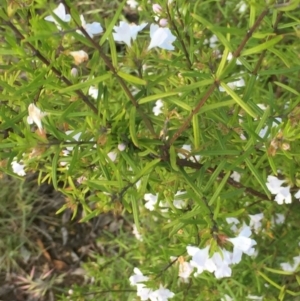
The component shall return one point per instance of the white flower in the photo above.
(91, 28)
(255, 221)
(283, 194)
(157, 108)
(18, 168)
(200, 259)
(212, 42)
(286, 266)
(93, 92)
(137, 277)
(274, 184)
(240, 82)
(161, 37)
(136, 233)
(230, 57)
(236, 176)
(35, 115)
(79, 56)
(161, 294)
(157, 9)
(121, 146)
(242, 7)
(132, 4)
(242, 244)
(112, 155)
(126, 32)
(234, 221)
(60, 12)
(151, 201)
(297, 194)
(185, 270)
(278, 219)
(179, 203)
(222, 263)
(143, 292)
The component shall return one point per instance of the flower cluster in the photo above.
(219, 263)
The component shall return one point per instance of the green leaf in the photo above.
(219, 189)
(86, 84)
(132, 125)
(238, 100)
(263, 46)
(258, 176)
(156, 97)
(285, 87)
(132, 79)
(147, 169)
(173, 157)
(54, 168)
(135, 211)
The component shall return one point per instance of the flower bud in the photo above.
(121, 146)
(163, 22)
(157, 8)
(79, 56)
(74, 72)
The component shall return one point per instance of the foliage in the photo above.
(229, 94)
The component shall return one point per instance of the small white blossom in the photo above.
(234, 221)
(121, 146)
(35, 115)
(132, 4)
(91, 28)
(136, 233)
(18, 168)
(151, 201)
(137, 277)
(288, 267)
(255, 221)
(242, 244)
(234, 85)
(161, 37)
(236, 176)
(212, 42)
(283, 194)
(157, 108)
(161, 294)
(126, 32)
(222, 263)
(60, 12)
(230, 57)
(112, 156)
(242, 6)
(93, 92)
(297, 194)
